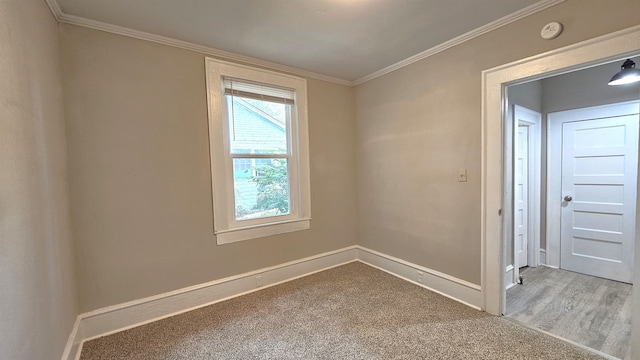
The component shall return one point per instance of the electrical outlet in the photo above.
(259, 281)
(420, 275)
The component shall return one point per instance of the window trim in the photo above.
(226, 228)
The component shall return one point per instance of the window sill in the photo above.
(258, 231)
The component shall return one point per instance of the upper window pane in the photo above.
(257, 126)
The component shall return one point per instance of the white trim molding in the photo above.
(63, 17)
(443, 284)
(56, 11)
(112, 319)
(74, 343)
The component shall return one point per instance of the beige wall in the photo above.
(37, 287)
(417, 126)
(139, 168)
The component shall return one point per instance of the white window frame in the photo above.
(226, 228)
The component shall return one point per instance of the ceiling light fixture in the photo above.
(627, 75)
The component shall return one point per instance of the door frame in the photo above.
(554, 174)
(496, 167)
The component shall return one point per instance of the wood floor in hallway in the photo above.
(588, 310)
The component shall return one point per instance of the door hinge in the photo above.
(499, 212)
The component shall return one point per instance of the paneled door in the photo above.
(598, 190)
(521, 197)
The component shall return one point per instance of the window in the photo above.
(259, 152)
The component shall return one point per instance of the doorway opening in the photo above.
(592, 196)
(497, 169)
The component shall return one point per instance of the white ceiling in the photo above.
(345, 39)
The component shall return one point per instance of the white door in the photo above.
(598, 193)
(521, 196)
(526, 188)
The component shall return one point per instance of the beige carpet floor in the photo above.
(349, 312)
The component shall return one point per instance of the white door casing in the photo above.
(593, 154)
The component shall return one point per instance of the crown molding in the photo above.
(530, 10)
(227, 55)
(55, 9)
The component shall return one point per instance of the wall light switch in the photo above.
(462, 175)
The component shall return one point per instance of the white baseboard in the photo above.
(74, 343)
(551, 266)
(443, 284)
(124, 316)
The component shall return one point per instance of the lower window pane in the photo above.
(261, 187)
